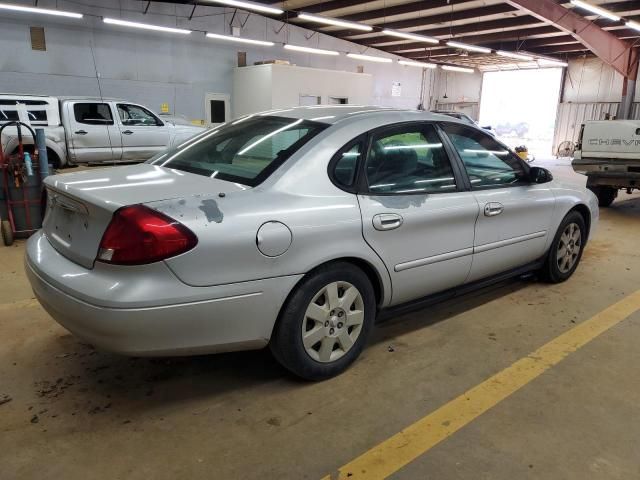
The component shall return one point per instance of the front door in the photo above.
(415, 214)
(216, 107)
(93, 134)
(143, 134)
(515, 214)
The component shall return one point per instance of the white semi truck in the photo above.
(608, 153)
(90, 130)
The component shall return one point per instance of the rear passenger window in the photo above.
(93, 113)
(409, 160)
(488, 163)
(346, 164)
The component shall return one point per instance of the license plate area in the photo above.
(66, 219)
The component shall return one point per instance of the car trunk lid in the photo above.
(80, 205)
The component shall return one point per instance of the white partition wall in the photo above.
(263, 87)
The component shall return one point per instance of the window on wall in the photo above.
(409, 160)
(488, 163)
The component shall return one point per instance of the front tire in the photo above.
(566, 249)
(325, 323)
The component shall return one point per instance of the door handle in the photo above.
(81, 132)
(492, 209)
(127, 132)
(387, 221)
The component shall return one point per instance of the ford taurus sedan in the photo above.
(294, 229)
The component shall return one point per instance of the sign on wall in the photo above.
(164, 108)
(396, 89)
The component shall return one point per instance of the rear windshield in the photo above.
(244, 151)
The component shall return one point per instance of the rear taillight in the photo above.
(139, 235)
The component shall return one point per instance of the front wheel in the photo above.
(324, 325)
(566, 249)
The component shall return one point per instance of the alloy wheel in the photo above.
(569, 247)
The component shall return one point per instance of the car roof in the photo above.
(333, 114)
(61, 98)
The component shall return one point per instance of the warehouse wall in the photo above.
(592, 90)
(87, 57)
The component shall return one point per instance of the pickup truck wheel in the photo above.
(325, 323)
(566, 249)
(606, 195)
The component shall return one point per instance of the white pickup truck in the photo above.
(90, 130)
(608, 152)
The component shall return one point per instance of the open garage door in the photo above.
(521, 105)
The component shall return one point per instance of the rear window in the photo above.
(246, 152)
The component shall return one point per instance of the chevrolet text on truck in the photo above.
(90, 130)
(608, 153)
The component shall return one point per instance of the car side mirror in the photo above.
(540, 175)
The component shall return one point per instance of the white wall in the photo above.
(261, 87)
(589, 80)
(154, 68)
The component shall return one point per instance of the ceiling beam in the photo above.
(477, 28)
(419, 8)
(617, 53)
(326, 6)
(440, 18)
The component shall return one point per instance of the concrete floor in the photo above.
(78, 413)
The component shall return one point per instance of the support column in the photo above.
(628, 93)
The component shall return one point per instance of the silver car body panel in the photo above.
(148, 311)
(226, 290)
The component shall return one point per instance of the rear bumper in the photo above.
(208, 319)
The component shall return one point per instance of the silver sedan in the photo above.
(294, 229)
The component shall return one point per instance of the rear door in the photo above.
(415, 212)
(143, 133)
(92, 132)
(515, 214)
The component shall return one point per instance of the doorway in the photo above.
(216, 108)
(520, 106)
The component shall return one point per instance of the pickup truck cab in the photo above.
(91, 130)
(608, 153)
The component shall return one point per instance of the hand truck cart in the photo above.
(22, 198)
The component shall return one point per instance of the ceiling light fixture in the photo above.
(144, 26)
(45, 11)
(552, 63)
(318, 51)
(517, 56)
(231, 38)
(470, 48)
(409, 63)
(335, 22)
(410, 36)
(258, 7)
(369, 58)
(451, 68)
(632, 24)
(597, 10)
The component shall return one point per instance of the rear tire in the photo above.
(325, 323)
(566, 249)
(606, 195)
(7, 233)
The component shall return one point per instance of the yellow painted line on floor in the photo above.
(32, 302)
(394, 453)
